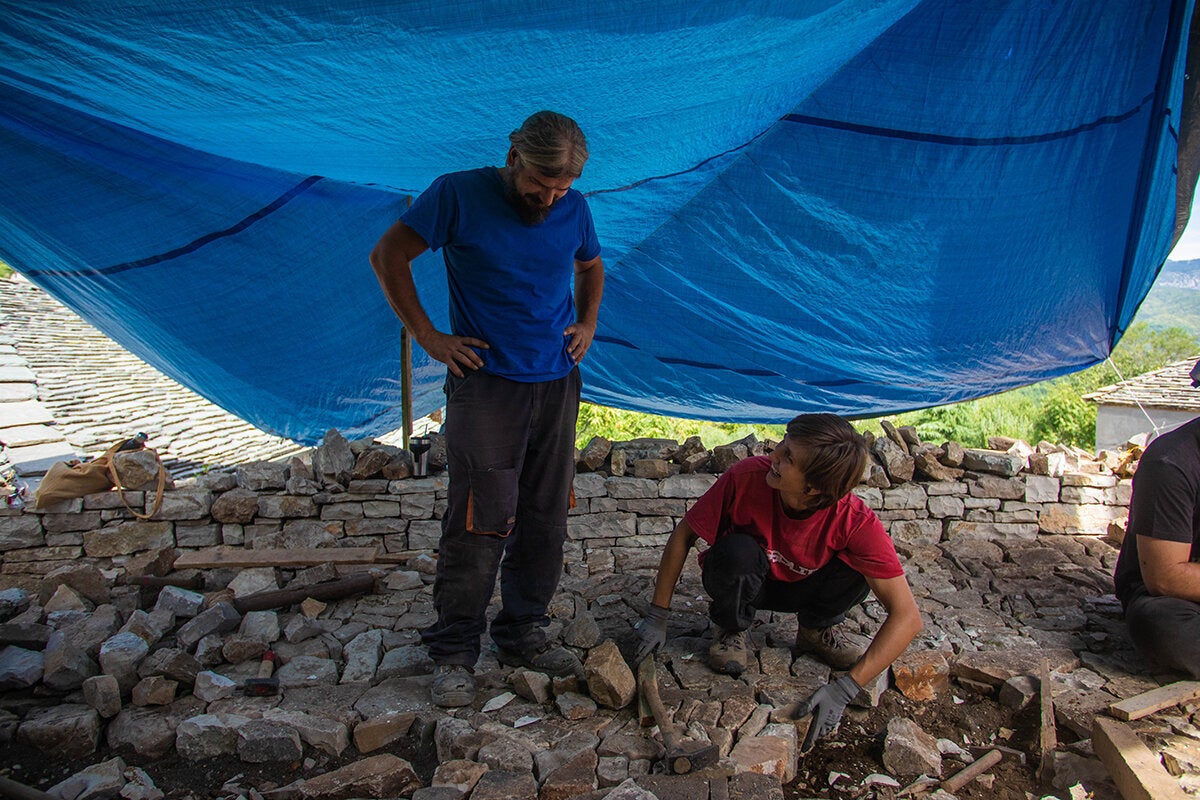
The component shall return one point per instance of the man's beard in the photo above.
(529, 210)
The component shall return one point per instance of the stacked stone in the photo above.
(628, 496)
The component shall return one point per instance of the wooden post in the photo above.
(1049, 737)
(406, 384)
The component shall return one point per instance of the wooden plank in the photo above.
(1147, 703)
(1049, 734)
(279, 557)
(1135, 770)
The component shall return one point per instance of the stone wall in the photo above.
(618, 524)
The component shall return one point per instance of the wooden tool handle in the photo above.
(267, 665)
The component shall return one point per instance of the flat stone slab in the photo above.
(27, 412)
(29, 435)
(15, 374)
(37, 459)
(15, 392)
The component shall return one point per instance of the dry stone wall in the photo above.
(628, 498)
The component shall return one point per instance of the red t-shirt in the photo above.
(741, 501)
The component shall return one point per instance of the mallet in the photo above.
(264, 684)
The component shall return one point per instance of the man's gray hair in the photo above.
(552, 144)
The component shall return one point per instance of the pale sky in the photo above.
(1188, 246)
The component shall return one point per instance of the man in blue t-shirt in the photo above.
(525, 276)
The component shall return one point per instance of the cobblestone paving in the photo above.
(99, 393)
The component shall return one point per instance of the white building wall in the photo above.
(1115, 425)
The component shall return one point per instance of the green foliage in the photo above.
(1170, 306)
(5, 270)
(1053, 410)
(616, 424)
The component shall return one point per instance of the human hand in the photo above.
(826, 706)
(581, 334)
(453, 351)
(652, 631)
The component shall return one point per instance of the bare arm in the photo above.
(671, 564)
(392, 261)
(589, 288)
(1167, 570)
(903, 623)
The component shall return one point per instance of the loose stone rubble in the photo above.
(1009, 552)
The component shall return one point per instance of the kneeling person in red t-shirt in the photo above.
(785, 533)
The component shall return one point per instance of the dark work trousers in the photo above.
(736, 576)
(1166, 630)
(511, 457)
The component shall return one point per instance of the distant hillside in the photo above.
(1174, 300)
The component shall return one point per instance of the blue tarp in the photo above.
(860, 206)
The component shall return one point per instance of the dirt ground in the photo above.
(856, 751)
(858, 748)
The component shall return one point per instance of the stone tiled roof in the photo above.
(1169, 387)
(67, 389)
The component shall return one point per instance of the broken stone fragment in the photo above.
(909, 751)
(383, 775)
(505, 753)
(103, 693)
(237, 506)
(85, 580)
(120, 656)
(182, 603)
(574, 778)
(139, 786)
(138, 470)
(220, 618)
(66, 667)
(70, 730)
(372, 734)
(154, 691)
(327, 735)
(504, 785)
(101, 781)
(307, 671)
(210, 686)
(1018, 692)
(12, 602)
(725, 456)
(573, 705)
(208, 736)
(531, 685)
(20, 668)
(921, 674)
(262, 741)
(610, 681)
(899, 465)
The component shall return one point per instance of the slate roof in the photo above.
(1169, 387)
(66, 389)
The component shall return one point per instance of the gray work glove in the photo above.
(652, 632)
(826, 706)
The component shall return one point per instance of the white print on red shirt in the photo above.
(776, 557)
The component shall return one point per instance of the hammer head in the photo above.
(265, 684)
(261, 687)
(690, 755)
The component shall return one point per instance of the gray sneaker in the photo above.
(730, 652)
(833, 645)
(453, 685)
(553, 660)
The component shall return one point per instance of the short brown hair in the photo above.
(833, 454)
(551, 143)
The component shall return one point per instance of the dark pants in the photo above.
(1166, 630)
(511, 457)
(736, 576)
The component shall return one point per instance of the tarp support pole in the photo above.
(406, 384)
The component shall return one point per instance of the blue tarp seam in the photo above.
(190, 247)
(969, 141)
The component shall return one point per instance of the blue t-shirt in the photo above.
(511, 284)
